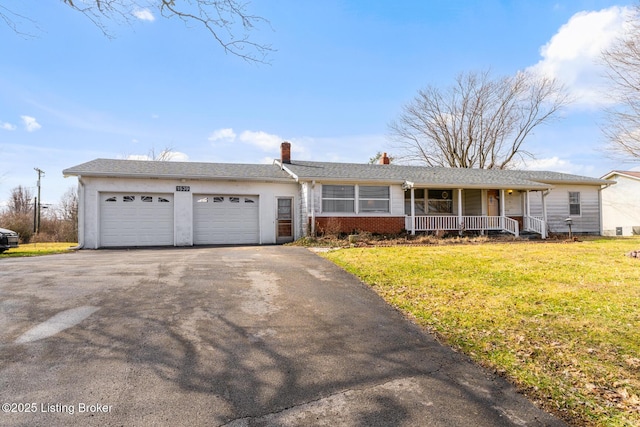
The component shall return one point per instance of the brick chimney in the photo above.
(285, 152)
(384, 160)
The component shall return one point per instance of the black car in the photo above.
(8, 239)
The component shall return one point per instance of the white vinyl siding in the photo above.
(621, 206)
(557, 202)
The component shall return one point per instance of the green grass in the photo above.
(560, 320)
(37, 249)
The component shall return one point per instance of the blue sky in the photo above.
(342, 70)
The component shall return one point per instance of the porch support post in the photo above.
(413, 211)
(502, 211)
(544, 213)
(460, 224)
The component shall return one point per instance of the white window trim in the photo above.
(387, 199)
(356, 202)
(579, 203)
(355, 199)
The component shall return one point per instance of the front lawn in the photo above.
(36, 249)
(560, 320)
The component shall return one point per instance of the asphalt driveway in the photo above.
(244, 336)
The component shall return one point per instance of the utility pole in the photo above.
(40, 174)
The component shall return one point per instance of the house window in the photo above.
(111, 199)
(439, 202)
(373, 198)
(574, 203)
(218, 199)
(128, 199)
(146, 199)
(234, 199)
(338, 198)
(418, 201)
(163, 200)
(203, 200)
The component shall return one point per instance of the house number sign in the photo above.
(183, 188)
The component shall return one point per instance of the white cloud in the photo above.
(573, 54)
(138, 157)
(555, 164)
(30, 123)
(144, 15)
(171, 156)
(7, 126)
(177, 156)
(262, 140)
(225, 135)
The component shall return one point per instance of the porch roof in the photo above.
(432, 176)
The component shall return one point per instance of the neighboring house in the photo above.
(147, 203)
(621, 204)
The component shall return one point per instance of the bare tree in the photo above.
(69, 205)
(165, 155)
(229, 22)
(479, 122)
(18, 215)
(622, 60)
(20, 200)
(64, 224)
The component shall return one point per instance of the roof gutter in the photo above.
(191, 177)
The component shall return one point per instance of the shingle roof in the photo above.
(336, 172)
(631, 174)
(190, 170)
(442, 177)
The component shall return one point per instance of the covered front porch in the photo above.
(476, 209)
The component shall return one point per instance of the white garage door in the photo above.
(223, 219)
(136, 219)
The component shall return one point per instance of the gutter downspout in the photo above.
(413, 211)
(80, 215)
(600, 216)
(503, 215)
(460, 220)
(544, 212)
(313, 208)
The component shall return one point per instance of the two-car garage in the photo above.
(134, 203)
(147, 219)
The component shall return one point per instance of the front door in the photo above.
(284, 221)
(493, 203)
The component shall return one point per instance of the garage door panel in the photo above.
(133, 219)
(225, 219)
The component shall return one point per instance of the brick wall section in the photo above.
(347, 225)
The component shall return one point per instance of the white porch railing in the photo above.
(473, 223)
(536, 225)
